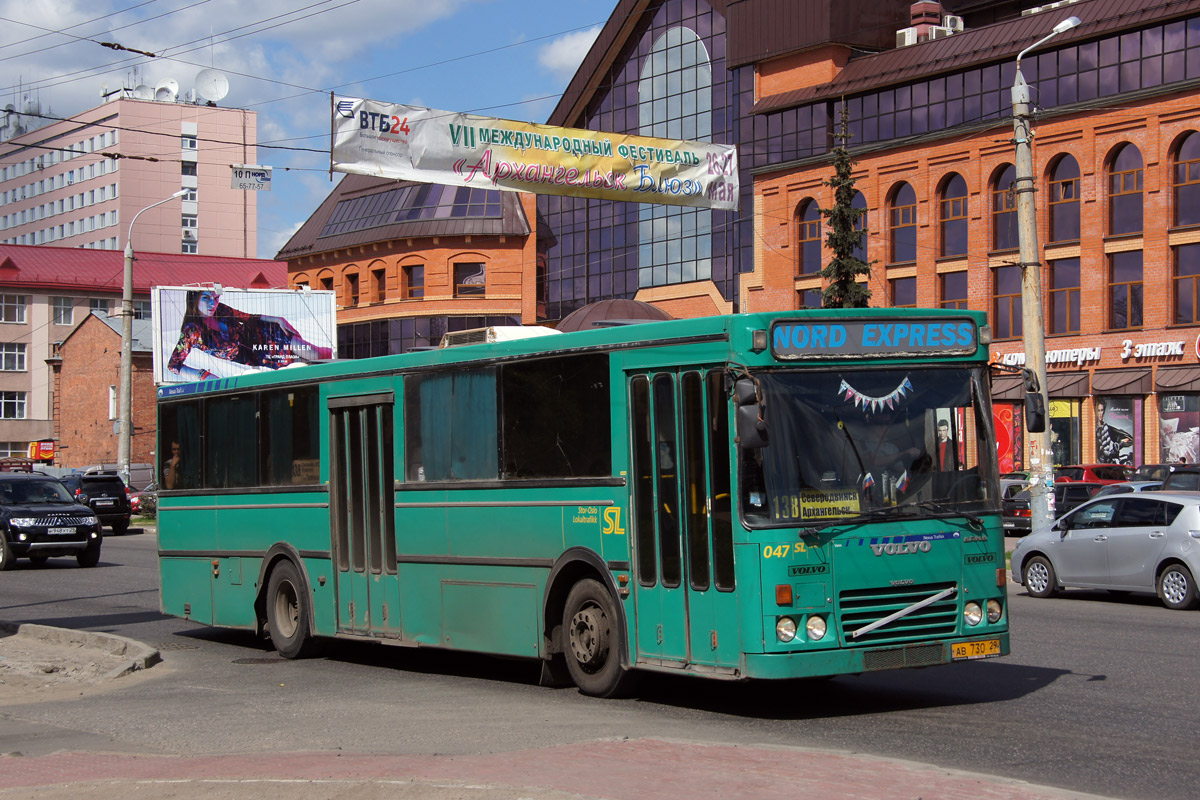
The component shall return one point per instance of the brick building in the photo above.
(46, 292)
(410, 261)
(86, 399)
(1117, 166)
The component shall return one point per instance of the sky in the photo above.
(282, 58)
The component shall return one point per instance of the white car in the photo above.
(1135, 541)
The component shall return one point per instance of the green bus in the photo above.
(756, 496)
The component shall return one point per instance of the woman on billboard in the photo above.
(220, 341)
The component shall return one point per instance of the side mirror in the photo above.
(751, 427)
(1035, 405)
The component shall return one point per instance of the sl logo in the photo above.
(612, 521)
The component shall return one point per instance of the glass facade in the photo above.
(387, 336)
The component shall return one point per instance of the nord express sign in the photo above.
(824, 338)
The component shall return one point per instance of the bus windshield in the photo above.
(844, 443)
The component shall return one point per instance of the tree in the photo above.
(845, 234)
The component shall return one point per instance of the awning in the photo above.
(1130, 380)
(1007, 388)
(1177, 379)
(1067, 384)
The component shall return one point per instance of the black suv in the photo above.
(1184, 478)
(39, 519)
(105, 494)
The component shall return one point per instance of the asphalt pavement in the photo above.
(607, 769)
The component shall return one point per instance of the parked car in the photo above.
(105, 493)
(1015, 508)
(40, 519)
(145, 502)
(1128, 486)
(1136, 541)
(1094, 473)
(1184, 478)
(1153, 472)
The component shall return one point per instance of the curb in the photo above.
(137, 655)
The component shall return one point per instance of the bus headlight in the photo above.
(785, 629)
(972, 613)
(815, 627)
(995, 611)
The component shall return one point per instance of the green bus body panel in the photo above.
(473, 563)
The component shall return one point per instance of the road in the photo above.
(1096, 697)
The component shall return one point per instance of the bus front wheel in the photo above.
(591, 640)
(287, 611)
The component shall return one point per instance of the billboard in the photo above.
(211, 332)
(387, 140)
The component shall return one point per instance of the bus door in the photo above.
(681, 517)
(362, 513)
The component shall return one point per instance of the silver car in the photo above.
(1136, 541)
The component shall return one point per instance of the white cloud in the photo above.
(564, 55)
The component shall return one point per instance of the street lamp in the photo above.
(125, 439)
(1032, 324)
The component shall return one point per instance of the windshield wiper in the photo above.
(897, 510)
(947, 509)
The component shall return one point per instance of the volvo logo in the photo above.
(900, 548)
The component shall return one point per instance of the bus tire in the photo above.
(287, 611)
(591, 640)
(1040, 580)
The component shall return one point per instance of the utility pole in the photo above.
(1033, 327)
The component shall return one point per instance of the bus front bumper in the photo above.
(852, 661)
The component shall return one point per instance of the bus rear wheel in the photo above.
(591, 640)
(287, 612)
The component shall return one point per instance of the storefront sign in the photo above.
(386, 140)
(1151, 349)
(1077, 356)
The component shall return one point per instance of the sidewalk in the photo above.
(645, 769)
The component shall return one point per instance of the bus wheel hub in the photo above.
(588, 636)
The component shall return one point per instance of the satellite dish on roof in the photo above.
(212, 85)
(167, 90)
(143, 92)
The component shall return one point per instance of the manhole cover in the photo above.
(260, 660)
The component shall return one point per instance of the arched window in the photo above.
(952, 216)
(808, 249)
(1125, 191)
(902, 224)
(1187, 181)
(860, 224)
(1004, 209)
(1064, 200)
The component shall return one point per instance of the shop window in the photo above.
(1064, 295)
(1186, 181)
(902, 225)
(1178, 428)
(808, 246)
(952, 212)
(1125, 290)
(1118, 429)
(1064, 200)
(1006, 302)
(1004, 209)
(903, 292)
(1187, 284)
(1125, 191)
(1065, 440)
(952, 289)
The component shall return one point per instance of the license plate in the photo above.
(104, 502)
(988, 648)
(61, 531)
(1010, 524)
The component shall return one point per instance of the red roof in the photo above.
(74, 268)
